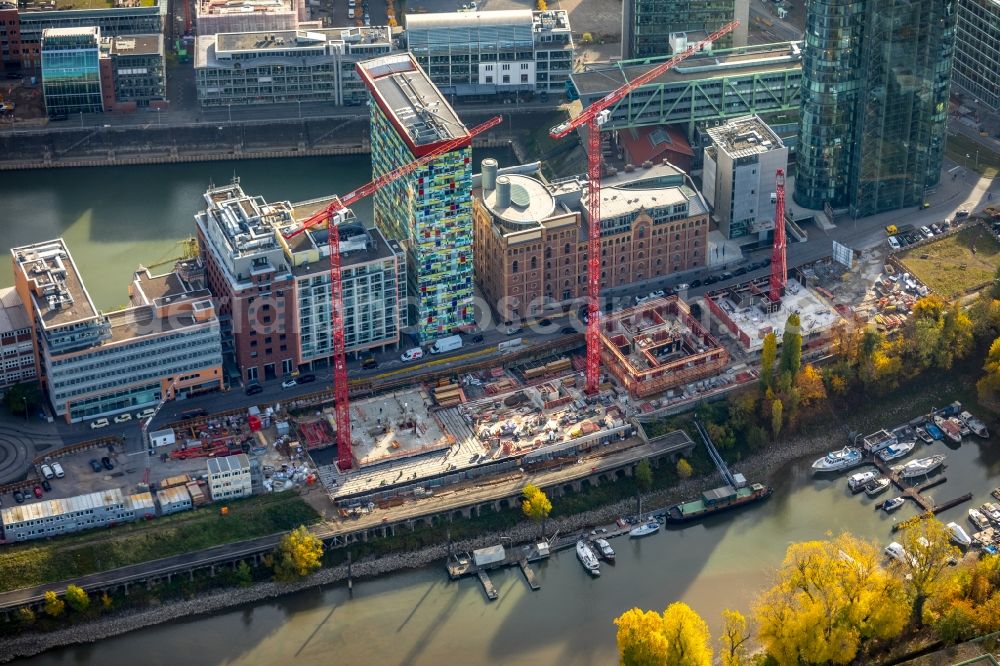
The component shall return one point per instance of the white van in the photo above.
(451, 343)
(412, 354)
(47, 471)
(350, 12)
(98, 423)
(57, 468)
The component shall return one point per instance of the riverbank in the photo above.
(765, 464)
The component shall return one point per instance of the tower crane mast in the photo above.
(331, 215)
(779, 261)
(594, 116)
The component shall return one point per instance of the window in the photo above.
(534, 263)
(524, 78)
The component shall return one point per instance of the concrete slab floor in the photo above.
(395, 426)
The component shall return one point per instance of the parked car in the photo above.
(694, 284)
(289, 383)
(18, 497)
(46, 485)
(893, 243)
(306, 378)
(545, 322)
(194, 413)
(57, 468)
(369, 363)
(726, 276)
(123, 418)
(926, 231)
(254, 389)
(99, 423)
(38, 492)
(567, 330)
(477, 338)
(146, 413)
(96, 466)
(959, 214)
(936, 229)
(742, 270)
(513, 328)
(412, 354)
(106, 462)
(659, 293)
(711, 279)
(47, 472)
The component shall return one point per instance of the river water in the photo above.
(116, 218)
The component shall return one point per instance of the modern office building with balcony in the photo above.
(486, 54)
(875, 87)
(17, 351)
(286, 66)
(647, 25)
(71, 71)
(429, 211)
(166, 343)
(977, 51)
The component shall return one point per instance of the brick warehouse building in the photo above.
(531, 234)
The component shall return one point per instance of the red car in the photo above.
(38, 492)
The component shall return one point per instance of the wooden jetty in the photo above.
(915, 493)
(479, 562)
(488, 587)
(529, 574)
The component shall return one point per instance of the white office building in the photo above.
(229, 477)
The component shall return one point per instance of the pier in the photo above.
(491, 591)
(916, 493)
(529, 574)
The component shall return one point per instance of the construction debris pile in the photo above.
(220, 437)
(889, 301)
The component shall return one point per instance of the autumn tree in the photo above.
(77, 598)
(776, 414)
(643, 476)
(735, 636)
(25, 616)
(106, 601)
(54, 606)
(640, 637)
(688, 640)
(829, 597)
(928, 546)
(809, 383)
(966, 603)
(535, 504)
(768, 355)
(684, 469)
(791, 345)
(299, 553)
(988, 386)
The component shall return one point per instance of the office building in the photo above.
(647, 25)
(53, 517)
(705, 90)
(429, 211)
(17, 351)
(875, 88)
(215, 16)
(173, 500)
(112, 19)
(977, 51)
(739, 176)
(71, 72)
(133, 73)
(274, 293)
(166, 343)
(10, 38)
(531, 234)
(286, 66)
(229, 477)
(483, 55)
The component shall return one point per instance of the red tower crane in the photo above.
(779, 263)
(329, 216)
(594, 116)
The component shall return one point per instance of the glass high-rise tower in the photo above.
(875, 84)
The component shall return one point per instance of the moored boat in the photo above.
(978, 519)
(896, 451)
(950, 428)
(857, 482)
(587, 558)
(835, 461)
(959, 535)
(991, 511)
(891, 505)
(877, 487)
(974, 424)
(996, 493)
(604, 550)
(651, 526)
(934, 431)
(717, 501)
(896, 551)
(923, 435)
(920, 466)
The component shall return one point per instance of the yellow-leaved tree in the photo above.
(54, 606)
(736, 634)
(299, 553)
(77, 598)
(829, 597)
(810, 385)
(535, 504)
(678, 637)
(929, 550)
(688, 640)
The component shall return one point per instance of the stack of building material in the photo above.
(448, 395)
(553, 367)
(198, 495)
(503, 386)
(179, 480)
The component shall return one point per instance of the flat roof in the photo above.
(57, 507)
(745, 136)
(414, 104)
(468, 19)
(265, 40)
(126, 45)
(530, 200)
(37, 6)
(235, 463)
(83, 31)
(173, 494)
(13, 316)
(223, 7)
(761, 58)
(58, 294)
(140, 321)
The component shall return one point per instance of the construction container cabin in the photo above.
(658, 346)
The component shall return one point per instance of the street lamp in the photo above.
(24, 399)
(230, 107)
(300, 108)
(157, 115)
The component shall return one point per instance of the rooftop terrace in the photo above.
(57, 291)
(746, 136)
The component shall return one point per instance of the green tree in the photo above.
(768, 355)
(54, 606)
(777, 409)
(643, 476)
(988, 386)
(535, 504)
(791, 345)
(736, 634)
(298, 554)
(684, 469)
(242, 574)
(21, 397)
(77, 598)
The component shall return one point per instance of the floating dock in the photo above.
(491, 591)
(529, 574)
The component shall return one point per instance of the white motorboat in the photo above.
(835, 461)
(991, 511)
(950, 427)
(587, 557)
(959, 535)
(877, 487)
(920, 466)
(896, 451)
(974, 424)
(891, 505)
(604, 550)
(978, 519)
(896, 551)
(649, 527)
(857, 482)
(924, 435)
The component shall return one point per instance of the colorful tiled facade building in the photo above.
(430, 211)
